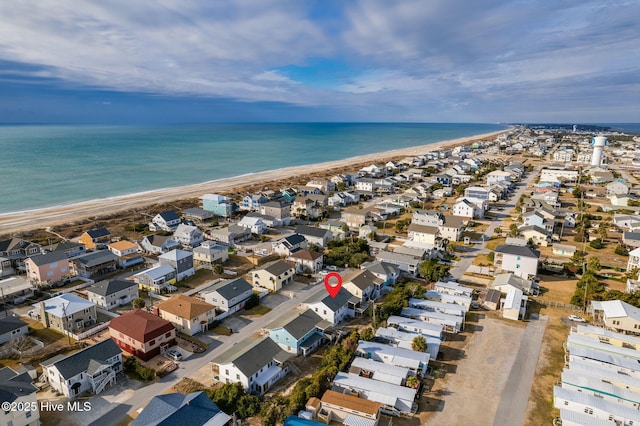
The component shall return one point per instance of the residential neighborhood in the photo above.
(518, 241)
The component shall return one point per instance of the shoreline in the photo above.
(27, 220)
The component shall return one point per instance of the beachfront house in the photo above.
(128, 253)
(253, 202)
(256, 364)
(142, 334)
(95, 238)
(47, 268)
(113, 293)
(188, 314)
(158, 244)
(274, 275)
(166, 221)
(181, 261)
(188, 235)
(13, 253)
(218, 204)
(91, 369)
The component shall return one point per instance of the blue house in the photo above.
(218, 204)
(253, 202)
(299, 335)
(289, 194)
(443, 179)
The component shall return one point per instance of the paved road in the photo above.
(197, 365)
(515, 396)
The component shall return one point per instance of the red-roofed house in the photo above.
(306, 260)
(142, 334)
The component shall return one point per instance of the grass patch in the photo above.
(221, 330)
(257, 310)
(495, 242)
(200, 277)
(482, 260)
(48, 335)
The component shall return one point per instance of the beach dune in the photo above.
(11, 223)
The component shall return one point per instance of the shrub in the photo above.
(596, 244)
(621, 250)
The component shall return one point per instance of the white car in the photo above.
(576, 318)
(174, 355)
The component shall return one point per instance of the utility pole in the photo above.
(65, 323)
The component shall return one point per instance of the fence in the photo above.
(554, 304)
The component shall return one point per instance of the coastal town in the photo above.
(488, 282)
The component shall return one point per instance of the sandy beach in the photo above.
(11, 223)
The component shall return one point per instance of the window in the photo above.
(153, 342)
(28, 414)
(168, 334)
(588, 410)
(237, 377)
(226, 372)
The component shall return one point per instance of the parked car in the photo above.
(174, 355)
(576, 318)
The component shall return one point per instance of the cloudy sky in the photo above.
(123, 61)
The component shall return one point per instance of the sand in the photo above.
(11, 223)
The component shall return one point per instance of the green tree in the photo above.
(432, 270)
(218, 269)
(419, 344)
(513, 230)
(344, 227)
(621, 250)
(498, 231)
(413, 382)
(367, 334)
(139, 303)
(577, 192)
(593, 264)
(596, 244)
(491, 256)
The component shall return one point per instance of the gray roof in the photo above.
(95, 258)
(312, 231)
(231, 288)
(518, 251)
(14, 385)
(631, 235)
(97, 233)
(277, 267)
(169, 216)
(47, 258)
(380, 267)
(158, 240)
(176, 409)
(250, 355)
(63, 245)
(302, 324)
(293, 240)
(362, 279)
(79, 362)
(105, 288)
(9, 324)
(334, 303)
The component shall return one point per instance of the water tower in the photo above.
(598, 143)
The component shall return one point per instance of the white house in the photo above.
(165, 221)
(464, 208)
(307, 261)
(228, 296)
(19, 391)
(289, 244)
(452, 287)
(181, 261)
(392, 397)
(254, 224)
(616, 315)
(514, 306)
(90, 369)
(11, 328)
(188, 235)
(498, 176)
(332, 309)
(522, 261)
(256, 364)
(404, 339)
(273, 276)
(415, 326)
(424, 234)
(113, 293)
(618, 188)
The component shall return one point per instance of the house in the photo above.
(300, 334)
(522, 261)
(142, 334)
(11, 328)
(564, 250)
(113, 293)
(218, 204)
(253, 202)
(254, 224)
(387, 272)
(616, 315)
(285, 246)
(477, 192)
(166, 221)
(634, 260)
(332, 309)
(355, 218)
(539, 236)
(422, 234)
(195, 214)
(194, 409)
(619, 200)
(457, 309)
(66, 313)
(380, 371)
(631, 239)
(274, 275)
(307, 261)
(95, 238)
(188, 314)
(406, 263)
(228, 296)
(505, 282)
(127, 252)
(230, 235)
(366, 185)
(13, 253)
(158, 279)
(94, 264)
(90, 369)
(336, 228)
(617, 188)
(181, 261)
(591, 408)
(256, 364)
(404, 339)
(348, 409)
(490, 299)
(309, 207)
(417, 362)
(451, 323)
(316, 236)
(452, 287)
(269, 221)
(498, 176)
(451, 227)
(16, 289)
(322, 184)
(366, 231)
(47, 268)
(363, 285)
(280, 209)
(18, 389)
(210, 253)
(69, 248)
(514, 305)
(464, 208)
(158, 244)
(392, 397)
(188, 235)
(539, 219)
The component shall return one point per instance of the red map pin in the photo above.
(333, 283)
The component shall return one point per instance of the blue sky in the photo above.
(169, 61)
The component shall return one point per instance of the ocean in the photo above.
(45, 166)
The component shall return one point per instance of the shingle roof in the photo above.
(176, 409)
(169, 216)
(48, 258)
(157, 240)
(176, 255)
(63, 245)
(302, 324)
(423, 229)
(293, 240)
(231, 288)
(250, 356)
(105, 288)
(335, 303)
(95, 258)
(14, 385)
(140, 325)
(185, 306)
(78, 362)
(312, 231)
(380, 267)
(98, 233)
(277, 267)
(306, 255)
(158, 271)
(518, 251)
(10, 323)
(362, 279)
